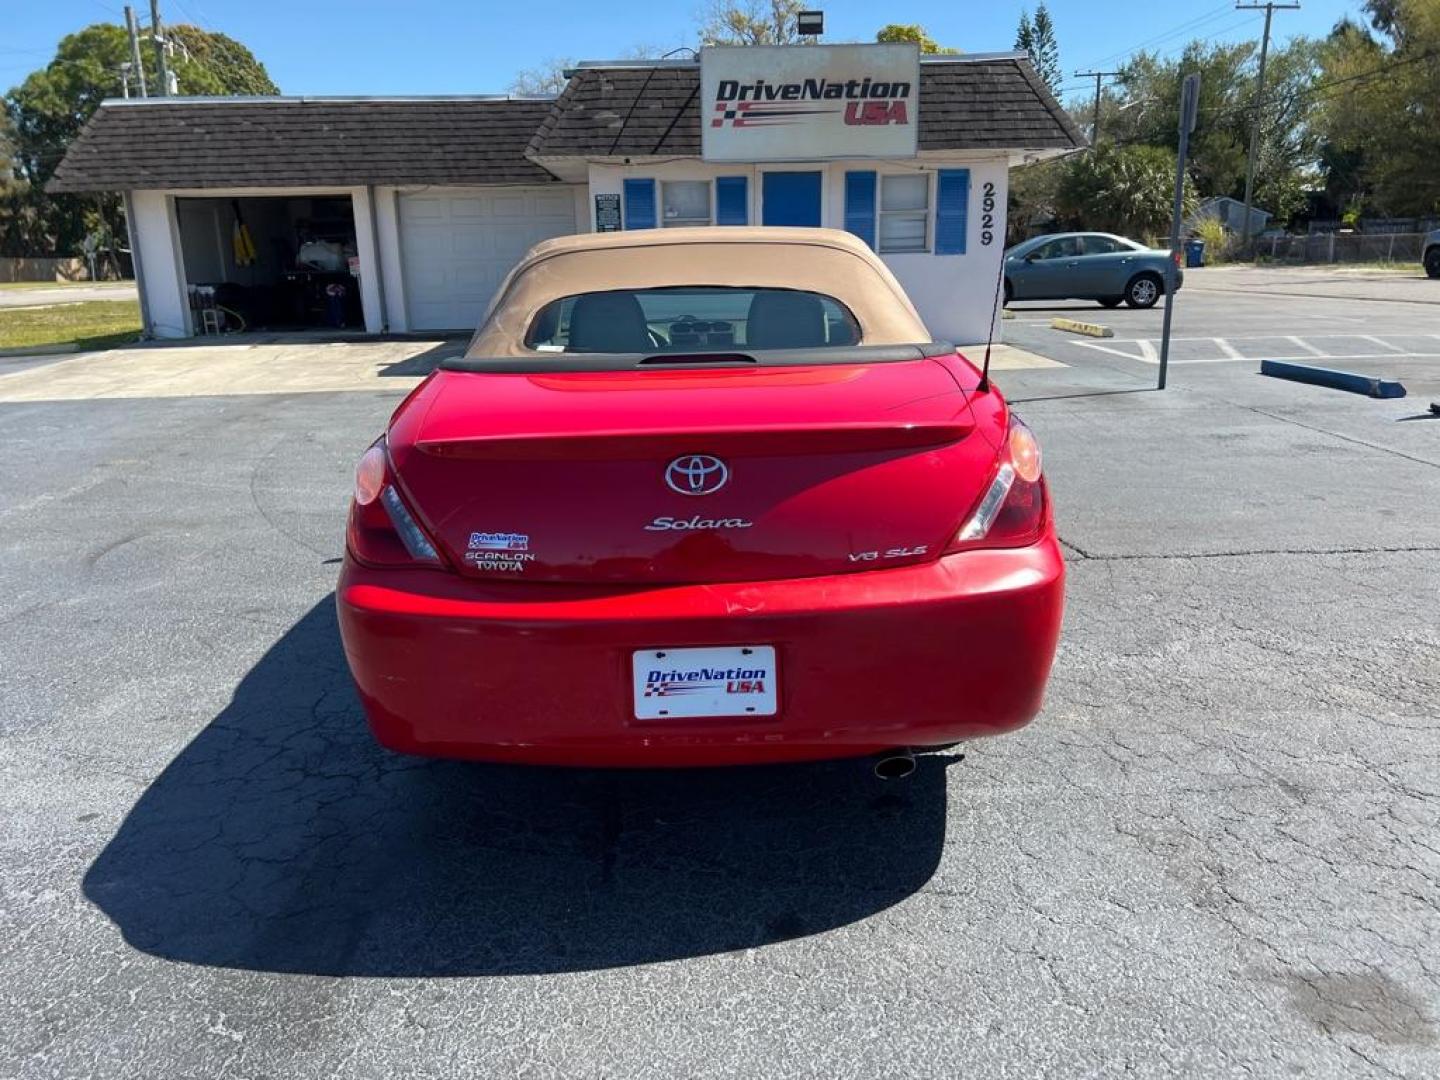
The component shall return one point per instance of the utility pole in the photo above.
(135, 64)
(1097, 76)
(162, 68)
(1270, 9)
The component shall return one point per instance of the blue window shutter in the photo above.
(732, 200)
(860, 205)
(952, 211)
(639, 204)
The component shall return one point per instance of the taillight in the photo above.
(1012, 511)
(382, 530)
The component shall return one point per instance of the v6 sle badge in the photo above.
(888, 553)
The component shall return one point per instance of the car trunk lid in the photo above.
(681, 475)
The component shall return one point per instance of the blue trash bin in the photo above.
(1194, 253)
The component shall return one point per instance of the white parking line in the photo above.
(1146, 350)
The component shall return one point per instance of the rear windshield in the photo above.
(691, 318)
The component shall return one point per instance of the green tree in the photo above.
(1378, 102)
(1122, 189)
(1143, 107)
(50, 107)
(1025, 33)
(752, 22)
(1032, 199)
(1044, 49)
(916, 33)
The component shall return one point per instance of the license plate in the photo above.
(736, 680)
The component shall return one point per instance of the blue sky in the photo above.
(475, 46)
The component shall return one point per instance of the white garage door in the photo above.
(458, 243)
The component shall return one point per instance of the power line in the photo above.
(1188, 25)
(1075, 87)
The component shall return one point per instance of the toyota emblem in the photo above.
(697, 474)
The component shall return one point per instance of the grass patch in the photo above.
(91, 324)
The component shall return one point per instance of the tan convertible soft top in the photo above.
(825, 261)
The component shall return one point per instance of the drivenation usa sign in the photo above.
(809, 103)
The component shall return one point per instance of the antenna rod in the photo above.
(995, 315)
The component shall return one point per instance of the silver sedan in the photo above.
(1087, 266)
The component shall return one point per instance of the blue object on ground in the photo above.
(1194, 253)
(1336, 380)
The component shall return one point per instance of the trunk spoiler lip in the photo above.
(821, 437)
(547, 363)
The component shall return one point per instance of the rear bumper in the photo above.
(916, 656)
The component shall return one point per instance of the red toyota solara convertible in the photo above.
(700, 497)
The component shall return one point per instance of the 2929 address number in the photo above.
(987, 214)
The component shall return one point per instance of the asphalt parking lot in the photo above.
(1216, 853)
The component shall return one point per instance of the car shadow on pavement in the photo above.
(283, 839)
(422, 364)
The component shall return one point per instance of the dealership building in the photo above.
(404, 214)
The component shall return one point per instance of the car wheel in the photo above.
(1009, 292)
(1143, 291)
(1432, 262)
(1111, 301)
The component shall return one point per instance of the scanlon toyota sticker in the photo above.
(507, 552)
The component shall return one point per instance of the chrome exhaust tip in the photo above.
(895, 765)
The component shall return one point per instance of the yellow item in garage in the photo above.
(243, 243)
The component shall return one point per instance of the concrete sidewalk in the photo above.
(177, 371)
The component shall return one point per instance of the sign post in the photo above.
(822, 102)
(1189, 105)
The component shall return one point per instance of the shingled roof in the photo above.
(966, 103)
(985, 102)
(297, 142)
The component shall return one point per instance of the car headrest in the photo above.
(785, 320)
(608, 323)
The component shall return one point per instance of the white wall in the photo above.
(387, 237)
(367, 248)
(158, 239)
(955, 294)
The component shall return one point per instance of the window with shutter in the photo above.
(952, 211)
(860, 205)
(639, 204)
(732, 200)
